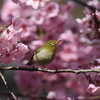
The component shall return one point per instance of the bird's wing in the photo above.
(30, 62)
(36, 52)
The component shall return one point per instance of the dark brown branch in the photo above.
(84, 4)
(49, 70)
(12, 95)
(93, 9)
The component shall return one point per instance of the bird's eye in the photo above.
(52, 43)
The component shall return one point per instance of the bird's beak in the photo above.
(59, 41)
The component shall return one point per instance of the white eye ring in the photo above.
(52, 43)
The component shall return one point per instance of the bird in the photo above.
(45, 54)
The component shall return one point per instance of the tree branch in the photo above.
(49, 70)
(13, 97)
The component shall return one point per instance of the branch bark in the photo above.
(49, 70)
(12, 95)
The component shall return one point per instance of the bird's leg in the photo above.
(45, 67)
(33, 66)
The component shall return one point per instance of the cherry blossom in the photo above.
(92, 89)
(33, 3)
(51, 10)
(89, 25)
(11, 49)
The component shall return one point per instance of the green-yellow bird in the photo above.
(45, 54)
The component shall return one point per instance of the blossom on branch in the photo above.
(90, 25)
(33, 3)
(10, 47)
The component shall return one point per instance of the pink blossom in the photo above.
(9, 43)
(8, 58)
(33, 3)
(38, 17)
(52, 28)
(58, 94)
(98, 15)
(51, 10)
(36, 3)
(11, 10)
(70, 98)
(9, 38)
(94, 3)
(69, 6)
(17, 23)
(87, 11)
(92, 89)
(35, 44)
(20, 50)
(71, 53)
(93, 80)
(51, 95)
(29, 32)
(70, 50)
(89, 25)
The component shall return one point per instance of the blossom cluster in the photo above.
(90, 25)
(33, 3)
(31, 28)
(11, 49)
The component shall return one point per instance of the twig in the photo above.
(49, 70)
(93, 9)
(13, 97)
(84, 4)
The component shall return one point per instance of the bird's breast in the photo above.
(43, 57)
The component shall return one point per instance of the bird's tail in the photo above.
(29, 63)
